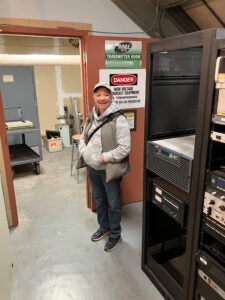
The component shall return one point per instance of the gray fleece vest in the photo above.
(108, 138)
(108, 131)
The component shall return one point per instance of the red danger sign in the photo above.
(123, 79)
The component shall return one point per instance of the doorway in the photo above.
(14, 32)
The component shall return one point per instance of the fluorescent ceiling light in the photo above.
(39, 59)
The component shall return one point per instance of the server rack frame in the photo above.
(165, 282)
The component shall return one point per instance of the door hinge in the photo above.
(84, 57)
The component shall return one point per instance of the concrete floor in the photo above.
(53, 255)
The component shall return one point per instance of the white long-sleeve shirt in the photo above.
(92, 151)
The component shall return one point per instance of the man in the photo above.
(105, 147)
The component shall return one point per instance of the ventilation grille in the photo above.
(177, 172)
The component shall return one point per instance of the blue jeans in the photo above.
(108, 205)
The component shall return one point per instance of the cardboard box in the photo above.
(52, 144)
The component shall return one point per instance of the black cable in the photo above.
(110, 32)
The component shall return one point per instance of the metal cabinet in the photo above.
(210, 274)
(179, 104)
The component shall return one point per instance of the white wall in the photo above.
(104, 15)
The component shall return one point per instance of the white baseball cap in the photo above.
(102, 84)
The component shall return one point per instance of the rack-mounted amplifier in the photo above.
(172, 159)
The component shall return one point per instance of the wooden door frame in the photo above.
(38, 29)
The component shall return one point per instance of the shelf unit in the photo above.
(21, 154)
(180, 94)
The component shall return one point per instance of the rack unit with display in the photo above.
(179, 101)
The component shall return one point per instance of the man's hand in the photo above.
(101, 158)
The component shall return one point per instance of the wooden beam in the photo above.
(44, 28)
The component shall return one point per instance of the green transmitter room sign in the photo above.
(123, 54)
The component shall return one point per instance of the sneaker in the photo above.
(98, 235)
(111, 244)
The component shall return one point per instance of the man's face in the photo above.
(103, 99)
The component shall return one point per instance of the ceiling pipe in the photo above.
(39, 59)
